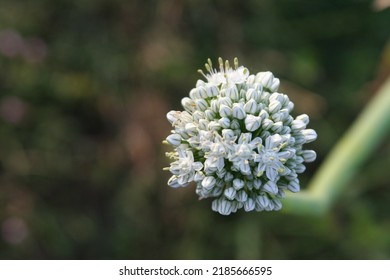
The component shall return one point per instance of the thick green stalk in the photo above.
(248, 238)
(345, 158)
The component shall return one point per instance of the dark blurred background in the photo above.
(84, 89)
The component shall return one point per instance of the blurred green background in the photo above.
(84, 89)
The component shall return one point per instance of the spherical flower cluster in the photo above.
(237, 140)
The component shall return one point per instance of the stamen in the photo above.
(202, 73)
(220, 61)
(210, 63)
(235, 63)
(207, 66)
(227, 66)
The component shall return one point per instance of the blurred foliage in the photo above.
(84, 89)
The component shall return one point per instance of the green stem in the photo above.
(248, 238)
(346, 157)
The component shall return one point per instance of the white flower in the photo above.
(270, 158)
(244, 153)
(188, 104)
(237, 76)
(185, 167)
(216, 78)
(237, 140)
(177, 118)
(215, 158)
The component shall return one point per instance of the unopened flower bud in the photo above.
(238, 111)
(277, 127)
(270, 187)
(263, 114)
(275, 85)
(202, 92)
(232, 92)
(257, 184)
(298, 125)
(210, 115)
(230, 193)
(293, 185)
(262, 201)
(226, 101)
(172, 182)
(267, 80)
(310, 135)
(250, 80)
(234, 124)
(252, 123)
(203, 124)
(274, 106)
(191, 129)
(214, 126)
(223, 206)
(228, 134)
(277, 204)
(300, 168)
(200, 83)
(225, 111)
(212, 90)
(238, 184)
(253, 94)
(304, 118)
(224, 122)
(201, 104)
(174, 139)
(309, 155)
(267, 124)
(250, 107)
(208, 182)
(214, 105)
(249, 205)
(172, 116)
(242, 196)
